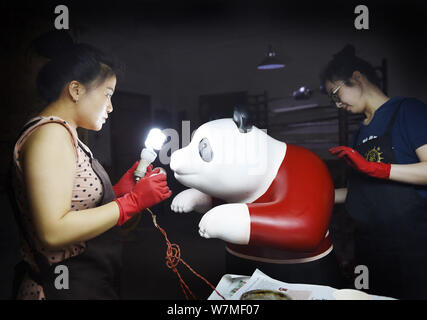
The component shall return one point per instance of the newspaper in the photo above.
(232, 287)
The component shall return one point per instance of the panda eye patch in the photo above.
(205, 150)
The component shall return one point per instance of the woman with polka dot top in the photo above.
(66, 207)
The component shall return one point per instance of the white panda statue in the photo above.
(271, 202)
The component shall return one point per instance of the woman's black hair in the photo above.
(68, 62)
(344, 63)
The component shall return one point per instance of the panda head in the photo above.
(226, 158)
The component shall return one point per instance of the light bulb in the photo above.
(155, 139)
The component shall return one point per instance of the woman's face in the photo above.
(349, 93)
(95, 105)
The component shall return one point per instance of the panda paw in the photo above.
(228, 222)
(191, 200)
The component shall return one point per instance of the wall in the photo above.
(178, 60)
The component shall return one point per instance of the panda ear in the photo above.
(242, 119)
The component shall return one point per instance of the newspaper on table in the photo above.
(232, 287)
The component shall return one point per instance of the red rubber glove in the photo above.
(127, 181)
(146, 193)
(358, 162)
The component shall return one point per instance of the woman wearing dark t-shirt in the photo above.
(387, 187)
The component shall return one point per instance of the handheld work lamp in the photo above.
(154, 141)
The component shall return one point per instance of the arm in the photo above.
(49, 166)
(340, 195)
(262, 224)
(415, 173)
(414, 117)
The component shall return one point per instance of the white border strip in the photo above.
(284, 261)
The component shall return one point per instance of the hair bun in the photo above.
(53, 43)
(347, 52)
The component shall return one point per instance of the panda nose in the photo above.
(180, 163)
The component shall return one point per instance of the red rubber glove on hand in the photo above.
(146, 193)
(358, 162)
(127, 181)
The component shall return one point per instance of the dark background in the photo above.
(191, 60)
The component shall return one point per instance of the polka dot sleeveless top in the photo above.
(86, 194)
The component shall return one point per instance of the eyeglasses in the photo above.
(334, 94)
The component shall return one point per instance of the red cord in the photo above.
(173, 258)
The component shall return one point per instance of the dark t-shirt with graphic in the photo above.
(408, 134)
